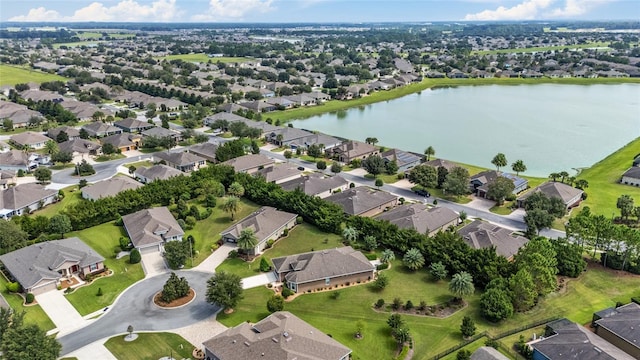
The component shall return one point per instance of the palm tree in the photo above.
(563, 175)
(461, 284)
(387, 256)
(247, 240)
(413, 259)
(582, 184)
(554, 176)
(429, 152)
(518, 166)
(235, 189)
(350, 234)
(231, 205)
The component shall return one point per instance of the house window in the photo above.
(327, 281)
(93, 267)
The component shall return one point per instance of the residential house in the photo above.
(160, 133)
(17, 160)
(363, 201)
(323, 269)
(131, 125)
(79, 146)
(280, 173)
(631, 176)
(317, 184)
(19, 115)
(205, 150)
(122, 141)
(72, 133)
(421, 218)
(41, 267)
(404, 160)
(156, 172)
(351, 150)
(267, 223)
(7, 178)
(479, 183)
(39, 95)
(149, 229)
(301, 99)
(280, 335)
(250, 163)
(183, 161)
(258, 106)
(620, 326)
(487, 353)
(436, 163)
(568, 340)
(25, 198)
(285, 136)
(109, 187)
(481, 234)
(227, 116)
(29, 139)
(82, 110)
(297, 138)
(99, 129)
(569, 195)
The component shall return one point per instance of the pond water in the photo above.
(550, 127)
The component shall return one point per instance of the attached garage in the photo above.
(149, 249)
(44, 287)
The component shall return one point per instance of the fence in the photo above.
(501, 345)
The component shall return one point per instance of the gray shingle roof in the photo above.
(319, 265)
(110, 187)
(419, 217)
(554, 189)
(79, 146)
(206, 150)
(19, 196)
(281, 335)
(247, 162)
(120, 140)
(279, 172)
(624, 322)
(314, 184)
(487, 353)
(151, 226)
(360, 199)
(181, 158)
(264, 222)
(633, 173)
(71, 132)
(132, 124)
(36, 262)
(14, 158)
(158, 172)
(29, 138)
(480, 234)
(98, 127)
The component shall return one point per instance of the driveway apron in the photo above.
(153, 264)
(60, 311)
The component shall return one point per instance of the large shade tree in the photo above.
(224, 289)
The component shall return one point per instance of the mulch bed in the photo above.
(175, 303)
(439, 310)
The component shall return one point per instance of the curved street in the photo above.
(135, 307)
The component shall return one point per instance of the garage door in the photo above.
(44, 288)
(149, 249)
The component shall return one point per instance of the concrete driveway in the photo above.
(60, 311)
(216, 258)
(258, 280)
(153, 264)
(481, 204)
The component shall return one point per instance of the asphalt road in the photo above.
(104, 170)
(135, 307)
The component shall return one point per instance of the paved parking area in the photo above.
(60, 311)
(258, 280)
(153, 264)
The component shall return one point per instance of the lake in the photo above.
(550, 127)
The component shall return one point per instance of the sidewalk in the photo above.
(214, 260)
(93, 351)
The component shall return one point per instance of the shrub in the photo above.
(299, 220)
(463, 355)
(379, 303)
(510, 197)
(134, 256)
(396, 304)
(408, 305)
(13, 287)
(29, 298)
(371, 256)
(381, 281)
(270, 243)
(285, 232)
(492, 343)
(321, 165)
(99, 292)
(422, 306)
(275, 303)
(335, 295)
(264, 266)
(233, 254)
(124, 243)
(20, 173)
(286, 292)
(382, 266)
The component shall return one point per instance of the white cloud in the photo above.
(576, 7)
(526, 10)
(125, 10)
(233, 9)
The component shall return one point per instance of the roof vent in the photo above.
(247, 343)
(233, 341)
(274, 340)
(285, 334)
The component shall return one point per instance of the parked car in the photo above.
(301, 168)
(424, 193)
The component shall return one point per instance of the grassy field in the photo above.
(207, 232)
(33, 314)
(203, 58)
(594, 290)
(150, 346)
(543, 48)
(336, 105)
(302, 238)
(604, 189)
(104, 239)
(11, 75)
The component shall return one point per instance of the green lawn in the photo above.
(72, 195)
(104, 239)
(150, 346)
(302, 238)
(11, 75)
(33, 314)
(103, 158)
(593, 291)
(604, 189)
(139, 164)
(207, 232)
(203, 58)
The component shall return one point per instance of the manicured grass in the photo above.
(505, 209)
(103, 158)
(543, 48)
(203, 58)
(207, 232)
(33, 314)
(302, 238)
(104, 239)
(72, 195)
(336, 105)
(594, 290)
(604, 189)
(150, 346)
(11, 75)
(139, 164)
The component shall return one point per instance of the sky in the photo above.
(315, 10)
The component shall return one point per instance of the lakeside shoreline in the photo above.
(428, 83)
